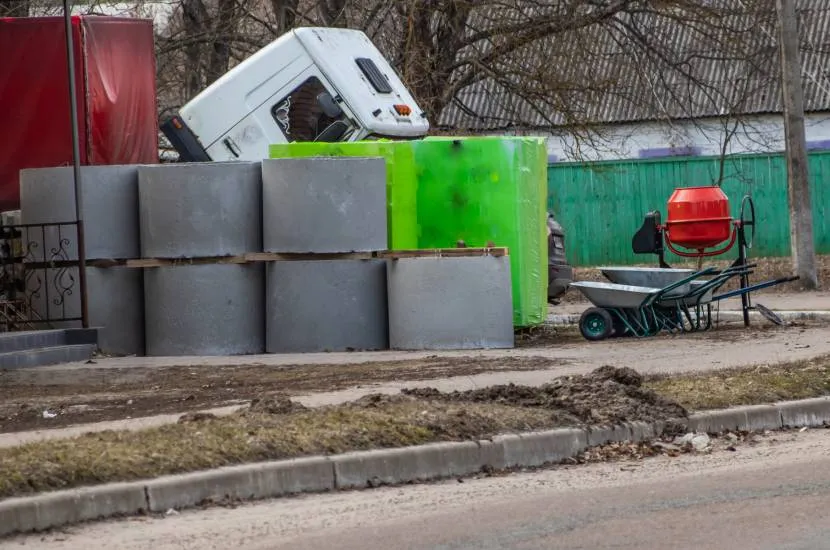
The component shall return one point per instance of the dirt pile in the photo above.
(608, 395)
(275, 404)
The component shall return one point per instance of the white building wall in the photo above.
(706, 137)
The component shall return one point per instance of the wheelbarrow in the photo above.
(621, 309)
(670, 300)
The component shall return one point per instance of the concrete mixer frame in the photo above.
(653, 238)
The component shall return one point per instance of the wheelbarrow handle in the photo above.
(752, 288)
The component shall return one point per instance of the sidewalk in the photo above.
(801, 301)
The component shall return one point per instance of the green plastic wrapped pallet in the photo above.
(489, 189)
(475, 189)
(400, 179)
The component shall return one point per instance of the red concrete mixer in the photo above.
(698, 219)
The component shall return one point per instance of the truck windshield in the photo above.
(305, 114)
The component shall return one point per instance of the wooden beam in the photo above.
(443, 253)
(275, 257)
(169, 262)
(259, 257)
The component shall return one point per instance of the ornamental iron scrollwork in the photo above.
(38, 275)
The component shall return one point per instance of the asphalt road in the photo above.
(774, 494)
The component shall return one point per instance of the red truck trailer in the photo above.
(116, 89)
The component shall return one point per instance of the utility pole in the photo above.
(798, 184)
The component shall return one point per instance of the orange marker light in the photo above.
(403, 110)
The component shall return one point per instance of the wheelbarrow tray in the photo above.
(650, 277)
(692, 301)
(613, 295)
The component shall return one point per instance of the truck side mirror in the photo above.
(333, 132)
(330, 107)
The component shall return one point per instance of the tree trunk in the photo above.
(224, 28)
(285, 12)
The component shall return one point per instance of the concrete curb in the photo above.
(725, 316)
(374, 468)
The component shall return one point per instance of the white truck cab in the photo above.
(311, 84)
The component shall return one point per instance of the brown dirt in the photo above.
(275, 428)
(83, 395)
(768, 268)
(609, 395)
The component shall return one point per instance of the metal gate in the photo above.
(39, 276)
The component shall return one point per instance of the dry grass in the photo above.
(749, 386)
(250, 437)
(276, 428)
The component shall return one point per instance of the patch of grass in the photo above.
(747, 386)
(276, 428)
(249, 437)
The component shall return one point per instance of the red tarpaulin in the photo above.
(115, 81)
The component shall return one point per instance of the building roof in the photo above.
(643, 67)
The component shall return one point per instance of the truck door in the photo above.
(307, 108)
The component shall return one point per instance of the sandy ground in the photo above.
(71, 388)
(772, 493)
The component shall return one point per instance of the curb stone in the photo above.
(601, 435)
(808, 413)
(45, 511)
(750, 418)
(371, 468)
(537, 448)
(407, 464)
(244, 482)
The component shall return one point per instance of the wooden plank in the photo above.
(168, 262)
(106, 263)
(444, 253)
(251, 257)
(279, 257)
(257, 257)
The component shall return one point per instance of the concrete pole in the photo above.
(798, 184)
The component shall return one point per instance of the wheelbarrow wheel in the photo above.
(596, 324)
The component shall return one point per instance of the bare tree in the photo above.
(14, 8)
(564, 67)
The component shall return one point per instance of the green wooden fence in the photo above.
(601, 205)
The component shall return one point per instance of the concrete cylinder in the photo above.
(324, 205)
(115, 298)
(316, 306)
(109, 210)
(211, 309)
(450, 303)
(196, 210)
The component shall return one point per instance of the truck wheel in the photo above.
(596, 324)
